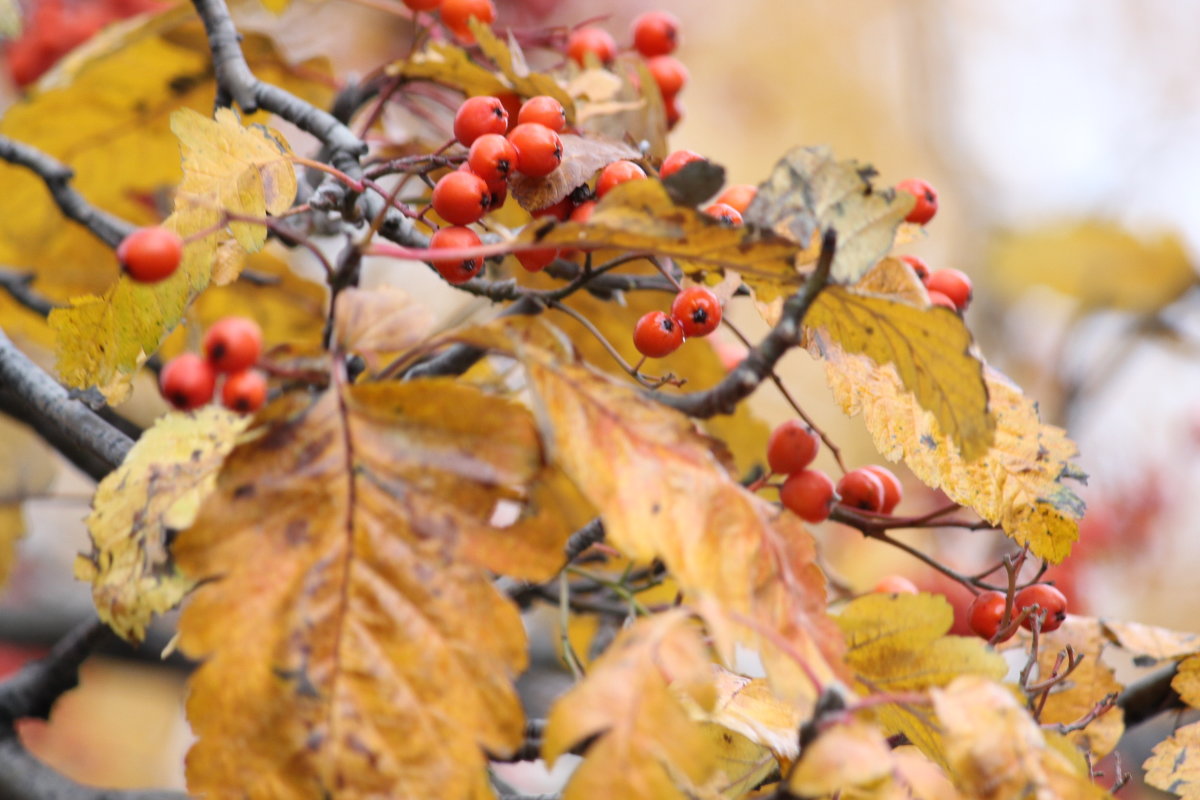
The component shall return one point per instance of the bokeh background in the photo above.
(1064, 139)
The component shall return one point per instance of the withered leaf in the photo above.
(581, 158)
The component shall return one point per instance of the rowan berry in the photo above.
(149, 255)
(893, 490)
(455, 270)
(1048, 598)
(792, 447)
(422, 5)
(560, 210)
(497, 194)
(726, 214)
(673, 106)
(233, 344)
(591, 40)
(939, 299)
(669, 73)
(455, 13)
(918, 266)
(656, 33)
(740, 196)
(657, 335)
(244, 391)
(952, 283)
(615, 173)
(698, 311)
(862, 490)
(809, 495)
(544, 110)
(583, 212)
(927, 200)
(895, 584)
(539, 150)
(537, 260)
(477, 116)
(187, 381)
(676, 161)
(461, 197)
(985, 614)
(492, 157)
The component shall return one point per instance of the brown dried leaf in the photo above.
(581, 158)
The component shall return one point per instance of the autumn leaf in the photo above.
(1174, 764)
(138, 508)
(748, 707)
(581, 158)
(1087, 685)
(996, 750)
(510, 60)
(1149, 644)
(380, 320)
(843, 758)
(449, 66)
(1187, 681)
(930, 349)
(898, 643)
(809, 192)
(640, 740)
(352, 639)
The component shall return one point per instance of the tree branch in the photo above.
(22, 777)
(17, 284)
(1147, 698)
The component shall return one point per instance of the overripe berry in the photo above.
(937, 298)
(544, 110)
(455, 270)
(244, 391)
(985, 614)
(477, 116)
(927, 200)
(698, 311)
(233, 344)
(1046, 597)
(862, 490)
(616, 173)
(808, 494)
(895, 584)
(539, 150)
(739, 196)
(461, 197)
(952, 283)
(537, 260)
(792, 447)
(676, 161)
(187, 381)
(669, 73)
(455, 13)
(151, 254)
(492, 157)
(893, 490)
(918, 266)
(591, 40)
(657, 335)
(656, 33)
(725, 214)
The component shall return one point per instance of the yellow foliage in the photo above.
(845, 758)
(510, 60)
(1084, 688)
(450, 66)
(138, 508)
(380, 320)
(1174, 764)
(1150, 643)
(1187, 681)
(748, 707)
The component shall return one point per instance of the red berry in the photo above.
(491, 157)
(537, 260)
(583, 212)
(244, 391)
(657, 335)
(918, 266)
(739, 196)
(456, 270)
(952, 283)
(727, 215)
(808, 494)
(676, 161)
(656, 33)
(544, 110)
(539, 150)
(422, 5)
(792, 447)
(187, 381)
(455, 14)
(985, 613)
(669, 73)
(1046, 597)
(895, 584)
(893, 490)
(698, 311)
(674, 108)
(862, 490)
(233, 344)
(460, 197)
(615, 173)
(150, 255)
(477, 116)
(560, 210)
(939, 299)
(591, 40)
(927, 200)
(497, 194)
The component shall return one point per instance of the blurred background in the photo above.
(1064, 139)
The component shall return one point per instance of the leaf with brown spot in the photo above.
(581, 158)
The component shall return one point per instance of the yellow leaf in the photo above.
(1097, 263)
(1174, 764)
(748, 707)
(643, 743)
(1148, 643)
(450, 66)
(1187, 681)
(380, 320)
(925, 780)
(844, 757)
(1084, 687)
(742, 763)
(138, 508)
(510, 60)
(809, 192)
(930, 349)
(1017, 484)
(353, 641)
(996, 750)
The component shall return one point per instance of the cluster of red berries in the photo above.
(231, 347)
(655, 36)
(151, 254)
(947, 287)
(696, 311)
(456, 13)
(730, 204)
(987, 610)
(810, 494)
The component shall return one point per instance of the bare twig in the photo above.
(17, 284)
